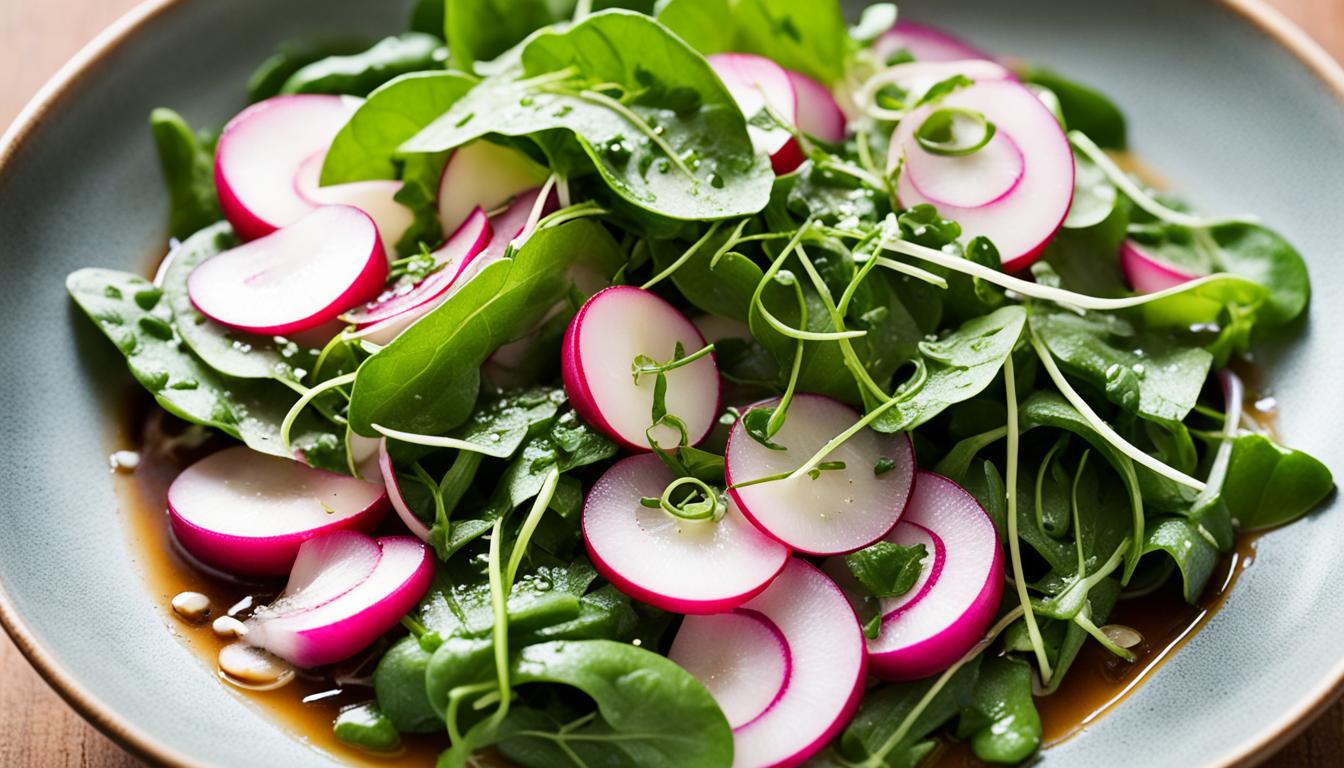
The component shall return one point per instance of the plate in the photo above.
(1237, 108)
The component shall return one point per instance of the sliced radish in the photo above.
(1147, 273)
(756, 82)
(840, 510)
(800, 628)
(326, 567)
(954, 600)
(685, 566)
(923, 42)
(260, 152)
(601, 343)
(450, 260)
(393, 485)
(1015, 190)
(818, 113)
(915, 78)
(484, 175)
(248, 513)
(376, 198)
(313, 636)
(295, 278)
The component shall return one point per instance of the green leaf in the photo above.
(399, 685)
(130, 311)
(887, 569)
(807, 36)
(1084, 109)
(1001, 720)
(1268, 484)
(366, 727)
(480, 30)
(357, 74)
(706, 25)
(366, 147)
(188, 164)
(884, 709)
(582, 84)
(957, 367)
(293, 55)
(426, 381)
(1193, 552)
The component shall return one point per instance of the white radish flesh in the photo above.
(376, 198)
(1147, 273)
(599, 349)
(949, 608)
(296, 278)
(260, 152)
(915, 78)
(341, 627)
(248, 513)
(393, 485)
(839, 510)
(756, 83)
(484, 175)
(818, 113)
(685, 566)
(327, 567)
(825, 666)
(982, 190)
(924, 43)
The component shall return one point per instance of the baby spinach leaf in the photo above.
(480, 30)
(706, 25)
(1085, 109)
(884, 709)
(1001, 719)
(1268, 484)
(723, 289)
(887, 569)
(188, 164)
(366, 147)
(232, 353)
(956, 368)
(293, 55)
(131, 312)
(807, 36)
(1148, 374)
(501, 424)
(366, 727)
(399, 686)
(1194, 553)
(650, 712)
(659, 128)
(357, 74)
(426, 381)
(428, 16)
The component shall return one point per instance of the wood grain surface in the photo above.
(39, 730)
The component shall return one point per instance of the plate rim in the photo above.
(1260, 16)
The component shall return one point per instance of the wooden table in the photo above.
(39, 730)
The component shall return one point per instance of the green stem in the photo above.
(655, 368)
(287, 425)
(530, 523)
(851, 358)
(498, 597)
(442, 441)
(1014, 544)
(685, 257)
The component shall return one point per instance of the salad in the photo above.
(715, 384)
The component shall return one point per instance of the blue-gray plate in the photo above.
(1236, 108)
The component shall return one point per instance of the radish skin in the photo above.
(925, 43)
(756, 82)
(1146, 273)
(260, 152)
(376, 198)
(825, 666)
(248, 513)
(840, 510)
(600, 346)
(817, 112)
(394, 495)
(296, 278)
(343, 626)
(684, 566)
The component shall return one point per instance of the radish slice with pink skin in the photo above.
(840, 510)
(923, 42)
(326, 568)
(601, 343)
(1148, 274)
(949, 608)
(983, 191)
(260, 152)
(738, 663)
(248, 513)
(295, 278)
(753, 82)
(684, 566)
(817, 112)
(347, 624)
(450, 259)
(376, 198)
(484, 175)
(393, 485)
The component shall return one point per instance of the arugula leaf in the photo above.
(1001, 719)
(426, 381)
(131, 312)
(188, 163)
(366, 147)
(887, 569)
(807, 36)
(1084, 108)
(1148, 374)
(1268, 484)
(357, 74)
(956, 368)
(660, 128)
